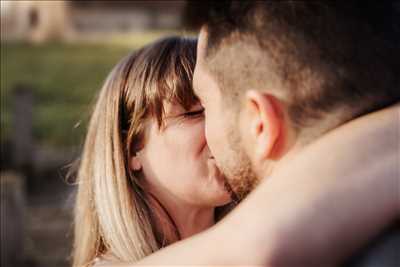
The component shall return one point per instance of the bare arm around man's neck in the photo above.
(334, 196)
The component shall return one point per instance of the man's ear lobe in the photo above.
(135, 164)
(265, 122)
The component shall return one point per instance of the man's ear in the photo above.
(264, 122)
(135, 163)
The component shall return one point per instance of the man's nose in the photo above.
(202, 137)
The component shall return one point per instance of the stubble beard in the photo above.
(237, 168)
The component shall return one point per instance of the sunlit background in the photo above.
(54, 57)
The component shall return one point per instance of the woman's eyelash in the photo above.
(194, 113)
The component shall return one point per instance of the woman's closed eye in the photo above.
(194, 113)
(188, 116)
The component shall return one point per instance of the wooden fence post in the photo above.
(13, 212)
(22, 134)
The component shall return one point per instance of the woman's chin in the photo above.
(225, 199)
(220, 196)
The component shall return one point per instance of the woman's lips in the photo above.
(213, 169)
(211, 161)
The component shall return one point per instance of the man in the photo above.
(279, 81)
(287, 73)
(298, 69)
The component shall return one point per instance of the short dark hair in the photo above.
(327, 57)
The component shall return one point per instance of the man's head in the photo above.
(287, 72)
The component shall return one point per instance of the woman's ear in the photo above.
(135, 163)
(264, 124)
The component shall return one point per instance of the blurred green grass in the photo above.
(65, 78)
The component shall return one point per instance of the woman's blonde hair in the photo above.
(113, 213)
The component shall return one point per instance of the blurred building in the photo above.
(65, 20)
(34, 20)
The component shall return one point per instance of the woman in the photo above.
(146, 177)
